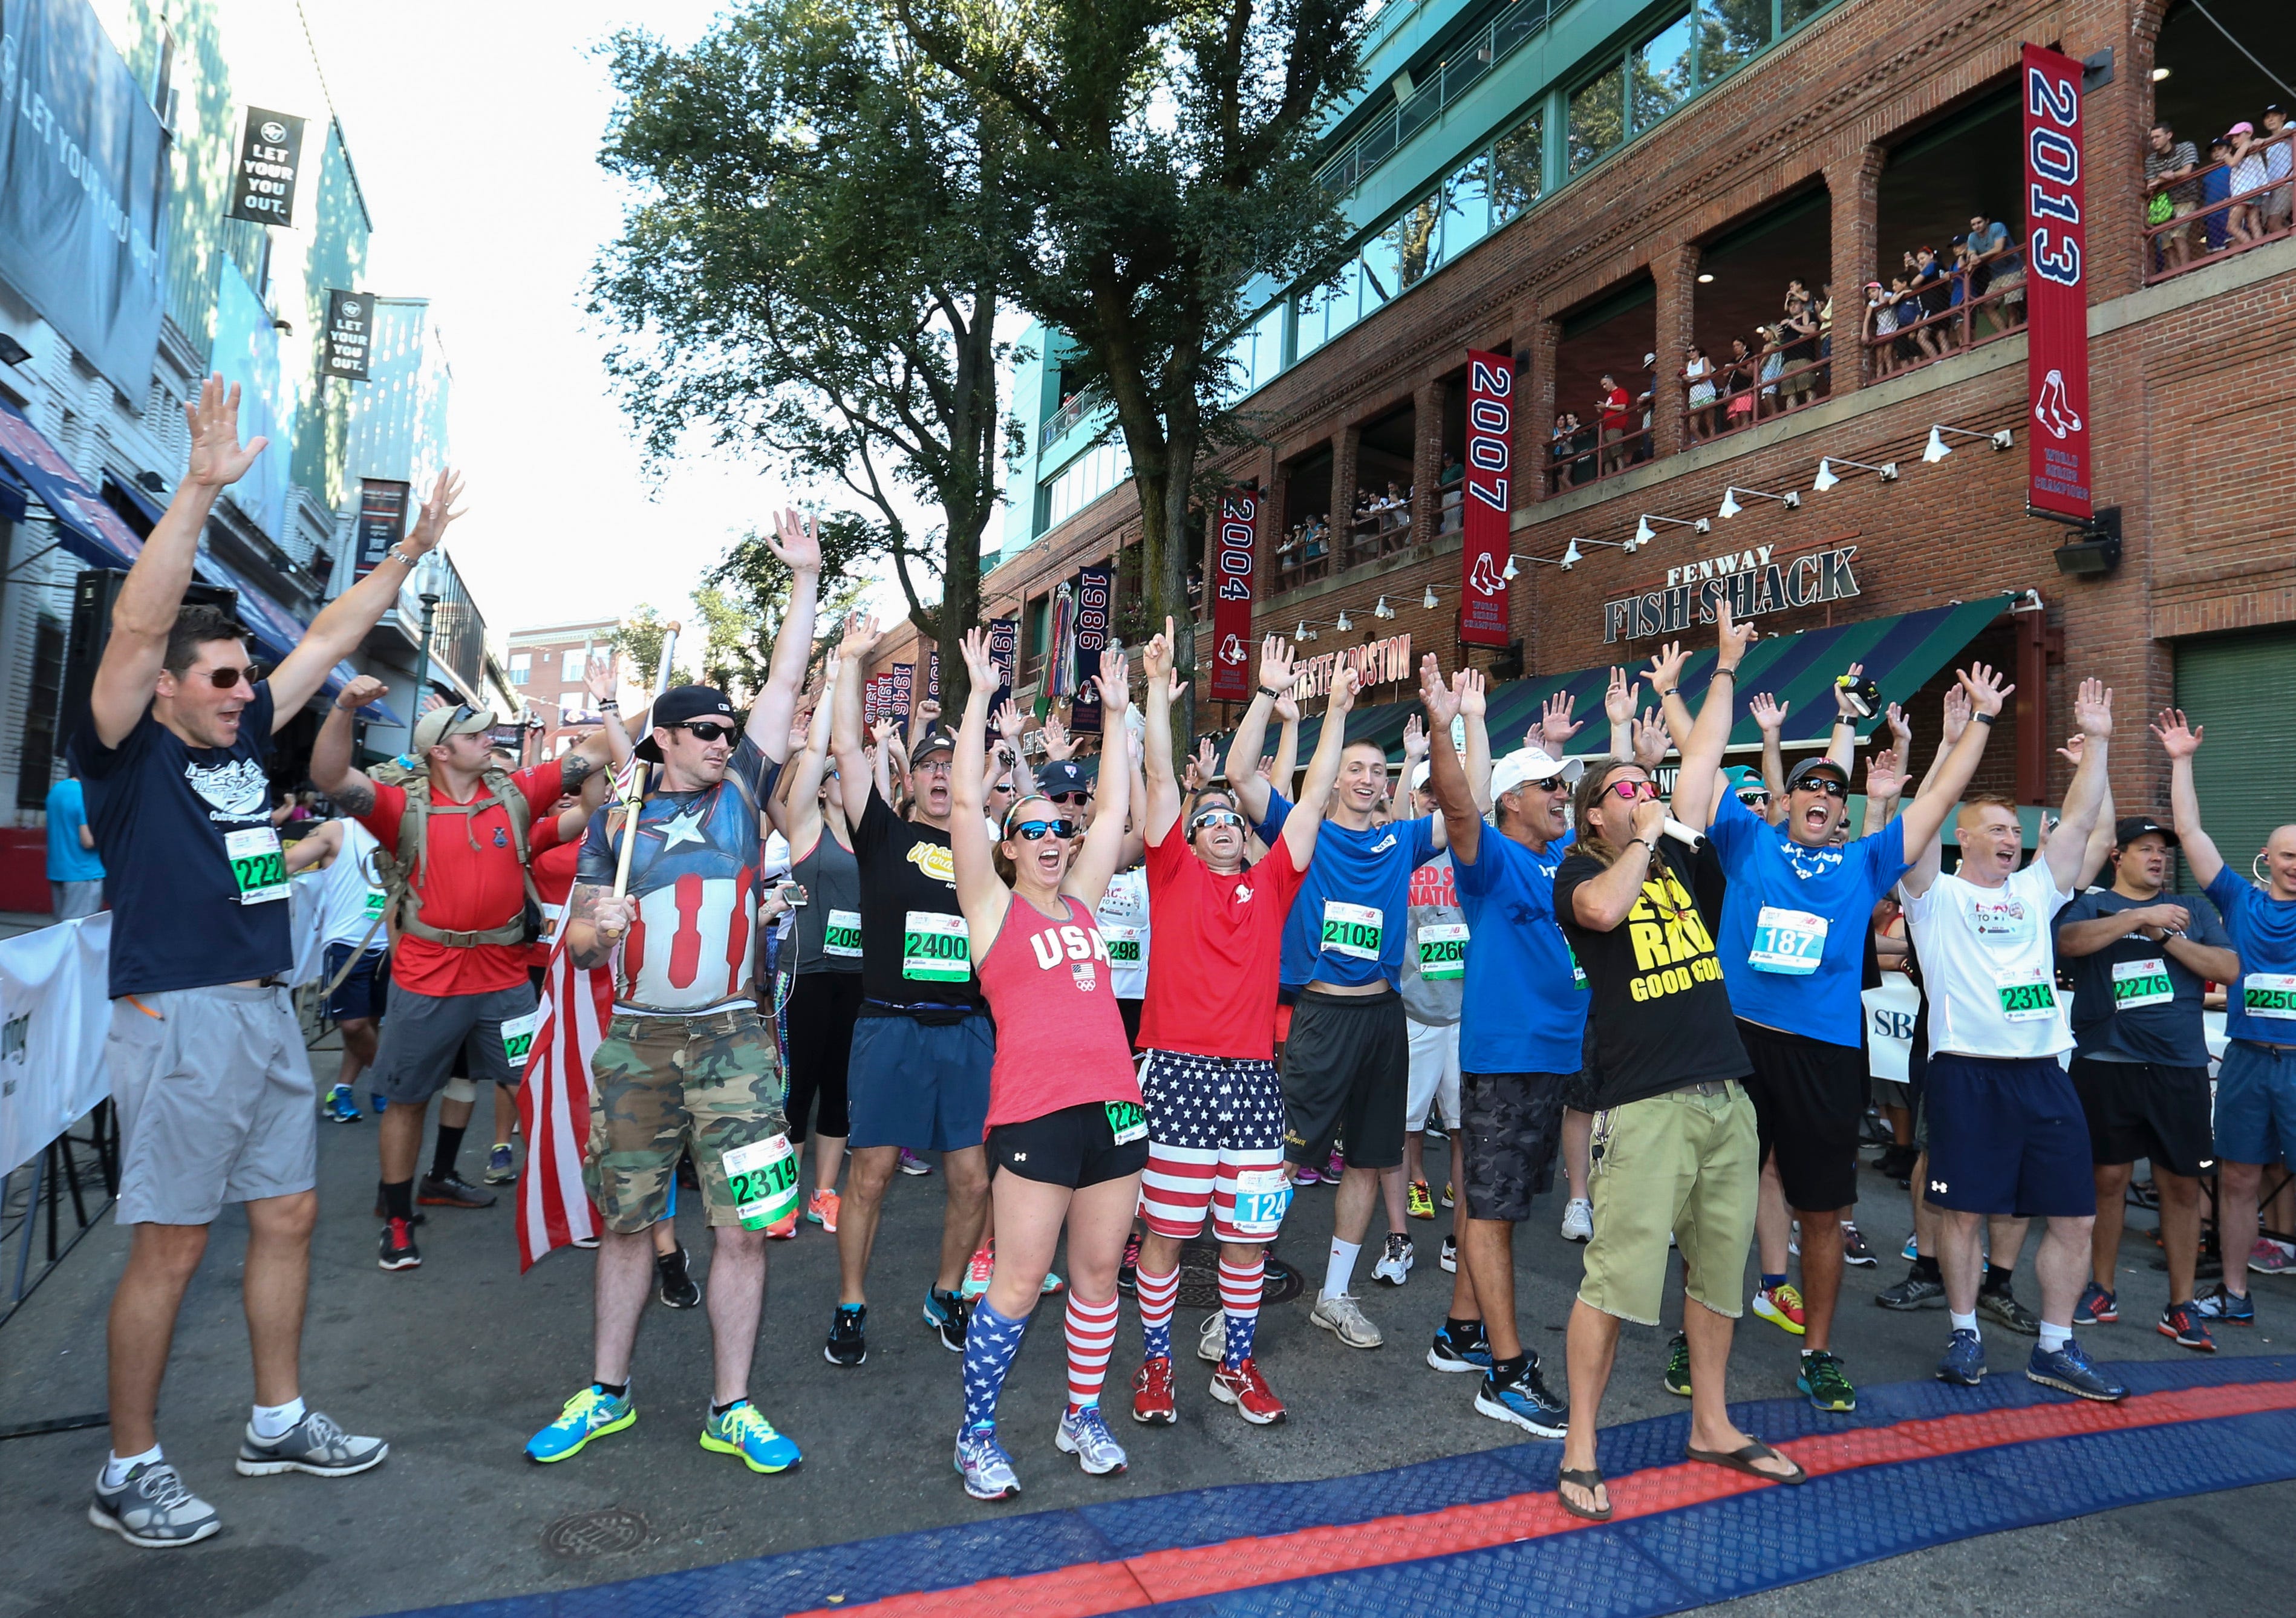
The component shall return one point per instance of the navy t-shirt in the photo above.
(1348, 922)
(199, 896)
(2133, 1000)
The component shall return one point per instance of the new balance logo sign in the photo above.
(1936, 1188)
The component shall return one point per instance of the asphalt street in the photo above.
(458, 1362)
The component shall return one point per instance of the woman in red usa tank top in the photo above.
(1067, 1138)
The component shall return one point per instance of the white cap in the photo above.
(1531, 764)
(1419, 777)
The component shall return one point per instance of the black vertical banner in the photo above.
(1003, 646)
(263, 184)
(1095, 595)
(350, 325)
(381, 521)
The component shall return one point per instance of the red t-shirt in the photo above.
(1219, 950)
(466, 889)
(1059, 1035)
(553, 879)
(1614, 408)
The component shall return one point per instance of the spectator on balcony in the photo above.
(1881, 322)
(1454, 470)
(2249, 178)
(1397, 506)
(1614, 413)
(1698, 371)
(2216, 188)
(2278, 164)
(2168, 165)
(1801, 334)
(1737, 380)
(1932, 290)
(1319, 538)
(1773, 362)
(1647, 403)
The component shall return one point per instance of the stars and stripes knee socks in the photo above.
(1092, 1338)
(1240, 1287)
(991, 1341)
(1158, 1294)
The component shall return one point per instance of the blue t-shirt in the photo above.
(67, 813)
(1784, 968)
(1348, 924)
(188, 831)
(1525, 1010)
(2264, 935)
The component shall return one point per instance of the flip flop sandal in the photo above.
(1743, 1460)
(1589, 1478)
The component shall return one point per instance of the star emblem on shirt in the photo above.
(684, 827)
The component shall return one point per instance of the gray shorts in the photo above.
(75, 899)
(421, 1033)
(216, 1102)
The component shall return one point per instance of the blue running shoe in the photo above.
(1913, 1249)
(983, 1465)
(1085, 1435)
(341, 1106)
(1963, 1364)
(2097, 1306)
(1525, 1401)
(745, 1431)
(1471, 1352)
(2068, 1369)
(948, 1314)
(592, 1413)
(2222, 1305)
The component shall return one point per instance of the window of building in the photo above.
(1793, 13)
(1598, 121)
(571, 667)
(36, 762)
(520, 664)
(1729, 33)
(1518, 171)
(1467, 205)
(1084, 479)
(1665, 69)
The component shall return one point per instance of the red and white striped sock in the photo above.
(1240, 1286)
(1092, 1338)
(1158, 1295)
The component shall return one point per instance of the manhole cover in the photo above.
(604, 1532)
(1199, 1277)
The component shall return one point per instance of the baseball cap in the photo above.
(1063, 775)
(1745, 777)
(459, 721)
(2242, 128)
(681, 705)
(1808, 767)
(2129, 828)
(938, 739)
(1531, 764)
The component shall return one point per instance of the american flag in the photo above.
(554, 1107)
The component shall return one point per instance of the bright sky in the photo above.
(475, 129)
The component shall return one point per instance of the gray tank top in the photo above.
(829, 922)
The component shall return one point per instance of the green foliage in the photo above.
(748, 591)
(639, 640)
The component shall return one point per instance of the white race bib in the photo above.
(1352, 930)
(1788, 942)
(518, 1038)
(554, 916)
(1261, 1196)
(2027, 994)
(1443, 950)
(2136, 984)
(1123, 943)
(2269, 994)
(257, 869)
(842, 937)
(935, 947)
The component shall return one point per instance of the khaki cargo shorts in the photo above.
(1686, 1163)
(661, 1086)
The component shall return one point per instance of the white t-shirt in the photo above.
(1990, 964)
(1123, 918)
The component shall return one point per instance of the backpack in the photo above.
(398, 867)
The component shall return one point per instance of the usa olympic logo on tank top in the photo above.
(1081, 947)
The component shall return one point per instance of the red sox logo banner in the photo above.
(1490, 450)
(1233, 545)
(2056, 363)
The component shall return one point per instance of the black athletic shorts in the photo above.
(1513, 1125)
(817, 1029)
(1129, 1010)
(1808, 1099)
(1346, 1075)
(1075, 1146)
(360, 994)
(2147, 1109)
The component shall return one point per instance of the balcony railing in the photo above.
(1303, 558)
(2201, 231)
(1375, 534)
(1967, 320)
(1073, 411)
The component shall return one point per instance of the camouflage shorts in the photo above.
(1513, 1124)
(659, 1086)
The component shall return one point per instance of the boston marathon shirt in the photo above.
(1348, 924)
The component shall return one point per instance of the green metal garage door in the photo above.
(2237, 685)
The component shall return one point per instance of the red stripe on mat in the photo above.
(1086, 1589)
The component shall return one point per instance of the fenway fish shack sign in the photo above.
(1750, 581)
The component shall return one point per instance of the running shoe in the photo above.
(1449, 1195)
(592, 1413)
(1085, 1435)
(315, 1444)
(1449, 1352)
(1394, 1266)
(1677, 1366)
(1780, 1306)
(1916, 1291)
(1823, 1382)
(1449, 1257)
(341, 1106)
(397, 1249)
(1963, 1364)
(1336, 1166)
(1050, 1285)
(1419, 1201)
(911, 1163)
(983, 1465)
(2068, 1369)
(2181, 1323)
(1793, 1240)
(821, 1209)
(1578, 1220)
(2097, 1306)
(1999, 1305)
(2271, 1258)
(948, 1314)
(1912, 1249)
(154, 1509)
(1151, 1393)
(502, 1169)
(745, 1431)
(848, 1344)
(1854, 1250)
(1211, 1342)
(1306, 1176)
(1247, 1390)
(1524, 1401)
(1128, 1270)
(2224, 1306)
(783, 1228)
(451, 1190)
(1345, 1321)
(978, 1272)
(674, 1279)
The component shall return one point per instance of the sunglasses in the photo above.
(1036, 830)
(708, 730)
(1553, 783)
(1632, 790)
(1220, 818)
(1754, 797)
(226, 679)
(1826, 784)
(1069, 799)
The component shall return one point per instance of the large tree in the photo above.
(1168, 150)
(812, 269)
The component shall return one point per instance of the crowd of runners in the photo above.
(1121, 1000)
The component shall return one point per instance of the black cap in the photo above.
(2129, 829)
(938, 739)
(1063, 775)
(1808, 767)
(682, 705)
